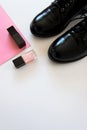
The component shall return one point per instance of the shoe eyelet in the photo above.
(77, 29)
(83, 23)
(62, 10)
(67, 5)
(71, 1)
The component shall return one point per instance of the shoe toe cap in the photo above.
(41, 25)
(35, 27)
(44, 24)
(63, 49)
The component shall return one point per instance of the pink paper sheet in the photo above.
(8, 47)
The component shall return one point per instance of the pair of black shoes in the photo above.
(72, 45)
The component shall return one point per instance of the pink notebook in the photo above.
(8, 47)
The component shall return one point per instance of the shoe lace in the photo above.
(81, 15)
(62, 5)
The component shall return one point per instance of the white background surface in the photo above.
(41, 95)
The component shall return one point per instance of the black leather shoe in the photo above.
(55, 17)
(71, 46)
